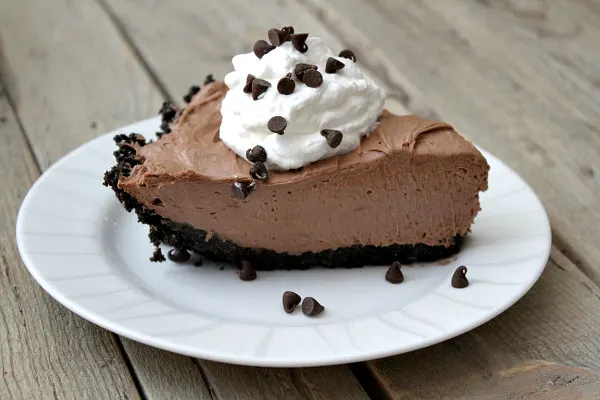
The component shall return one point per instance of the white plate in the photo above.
(92, 257)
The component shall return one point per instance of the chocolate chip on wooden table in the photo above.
(257, 153)
(259, 86)
(259, 172)
(286, 85)
(299, 42)
(290, 300)
(241, 190)
(333, 65)
(247, 273)
(261, 47)
(178, 255)
(300, 68)
(277, 124)
(459, 278)
(248, 87)
(347, 53)
(311, 307)
(312, 78)
(394, 274)
(333, 137)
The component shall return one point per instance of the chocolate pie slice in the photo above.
(408, 191)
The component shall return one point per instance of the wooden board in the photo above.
(45, 350)
(492, 97)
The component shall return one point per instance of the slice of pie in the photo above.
(408, 191)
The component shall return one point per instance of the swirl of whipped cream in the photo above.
(347, 100)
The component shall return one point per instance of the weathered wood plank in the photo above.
(71, 78)
(45, 350)
(500, 106)
(558, 321)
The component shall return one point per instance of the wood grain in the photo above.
(45, 350)
(492, 96)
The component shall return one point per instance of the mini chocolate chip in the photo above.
(333, 137)
(259, 86)
(277, 124)
(347, 53)
(333, 65)
(248, 87)
(241, 190)
(459, 279)
(312, 78)
(299, 41)
(311, 307)
(168, 111)
(178, 255)
(187, 98)
(300, 68)
(257, 153)
(261, 47)
(286, 85)
(195, 88)
(290, 300)
(157, 255)
(277, 37)
(259, 171)
(247, 273)
(394, 274)
(288, 29)
(209, 79)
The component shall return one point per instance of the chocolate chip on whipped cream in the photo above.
(259, 172)
(288, 29)
(312, 78)
(261, 47)
(286, 85)
(278, 37)
(259, 86)
(333, 65)
(347, 53)
(277, 124)
(301, 68)
(333, 137)
(299, 42)
(248, 87)
(257, 153)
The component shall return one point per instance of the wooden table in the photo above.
(520, 78)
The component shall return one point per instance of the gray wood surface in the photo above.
(520, 78)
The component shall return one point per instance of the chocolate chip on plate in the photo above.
(333, 65)
(312, 78)
(261, 47)
(257, 153)
(259, 172)
(347, 53)
(277, 124)
(290, 300)
(459, 279)
(300, 68)
(247, 273)
(311, 307)
(394, 274)
(259, 86)
(241, 190)
(299, 41)
(333, 137)
(248, 87)
(286, 85)
(178, 255)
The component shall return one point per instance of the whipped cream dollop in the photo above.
(347, 101)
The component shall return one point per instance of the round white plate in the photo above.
(92, 256)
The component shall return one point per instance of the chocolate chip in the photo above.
(199, 262)
(277, 124)
(459, 279)
(300, 68)
(394, 274)
(168, 111)
(347, 53)
(178, 255)
(249, 79)
(290, 300)
(187, 98)
(209, 79)
(257, 153)
(195, 89)
(241, 190)
(261, 47)
(333, 137)
(286, 85)
(312, 78)
(299, 42)
(277, 37)
(259, 86)
(311, 307)
(333, 65)
(259, 171)
(157, 255)
(288, 29)
(247, 273)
